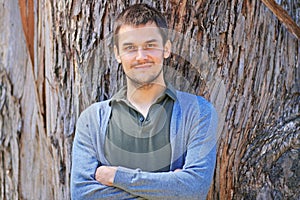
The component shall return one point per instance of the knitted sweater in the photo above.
(193, 137)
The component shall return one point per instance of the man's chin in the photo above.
(143, 83)
(144, 80)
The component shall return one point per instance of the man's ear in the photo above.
(167, 49)
(116, 51)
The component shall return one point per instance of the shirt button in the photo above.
(141, 119)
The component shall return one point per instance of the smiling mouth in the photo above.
(142, 66)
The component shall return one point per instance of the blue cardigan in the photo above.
(193, 136)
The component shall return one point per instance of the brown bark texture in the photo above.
(57, 59)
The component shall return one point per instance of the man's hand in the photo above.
(105, 175)
(178, 170)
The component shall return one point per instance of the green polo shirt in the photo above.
(136, 142)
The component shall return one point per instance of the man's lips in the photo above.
(142, 66)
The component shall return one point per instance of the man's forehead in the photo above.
(148, 25)
(145, 32)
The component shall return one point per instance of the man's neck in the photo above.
(143, 97)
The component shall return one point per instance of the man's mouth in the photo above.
(142, 65)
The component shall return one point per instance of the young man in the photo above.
(149, 141)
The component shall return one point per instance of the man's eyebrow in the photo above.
(131, 43)
(127, 44)
(150, 41)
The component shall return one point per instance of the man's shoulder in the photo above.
(191, 98)
(96, 107)
(194, 104)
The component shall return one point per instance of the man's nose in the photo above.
(141, 54)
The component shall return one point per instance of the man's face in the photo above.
(141, 52)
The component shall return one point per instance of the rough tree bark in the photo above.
(237, 54)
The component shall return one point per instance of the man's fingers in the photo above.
(177, 170)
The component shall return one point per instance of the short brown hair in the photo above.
(140, 14)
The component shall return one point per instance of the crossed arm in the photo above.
(91, 181)
(106, 174)
(109, 182)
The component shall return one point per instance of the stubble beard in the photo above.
(149, 81)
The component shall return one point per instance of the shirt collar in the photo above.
(171, 91)
(121, 94)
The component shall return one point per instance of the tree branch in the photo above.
(283, 16)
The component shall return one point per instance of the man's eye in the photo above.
(129, 48)
(150, 45)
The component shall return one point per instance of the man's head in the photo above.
(140, 14)
(141, 44)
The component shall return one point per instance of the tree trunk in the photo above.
(57, 59)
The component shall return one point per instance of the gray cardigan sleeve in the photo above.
(193, 182)
(84, 165)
